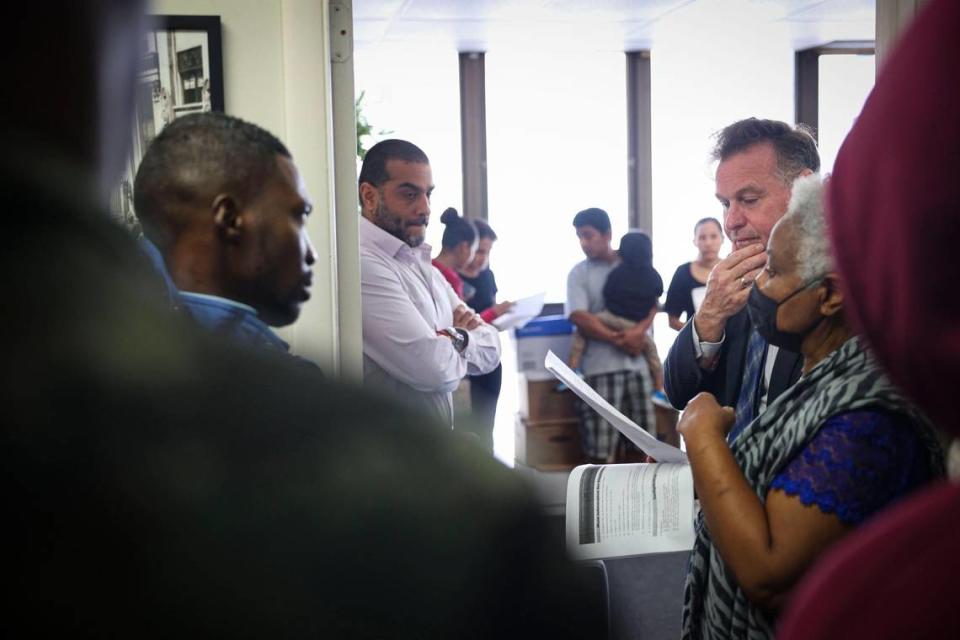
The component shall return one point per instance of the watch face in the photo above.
(458, 336)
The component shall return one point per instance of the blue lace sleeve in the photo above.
(858, 463)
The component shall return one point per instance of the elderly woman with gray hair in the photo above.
(825, 456)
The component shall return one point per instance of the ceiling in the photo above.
(484, 25)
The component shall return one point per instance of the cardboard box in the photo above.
(667, 418)
(536, 338)
(540, 400)
(552, 445)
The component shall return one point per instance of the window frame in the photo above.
(807, 77)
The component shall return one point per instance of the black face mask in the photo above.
(763, 315)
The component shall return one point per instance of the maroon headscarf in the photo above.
(894, 206)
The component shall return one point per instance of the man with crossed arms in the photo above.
(419, 338)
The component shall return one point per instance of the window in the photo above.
(832, 83)
(556, 144)
(190, 66)
(420, 102)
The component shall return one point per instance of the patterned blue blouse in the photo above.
(858, 463)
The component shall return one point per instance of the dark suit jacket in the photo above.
(683, 377)
(158, 481)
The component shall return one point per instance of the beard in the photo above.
(395, 225)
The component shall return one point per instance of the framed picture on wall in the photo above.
(181, 72)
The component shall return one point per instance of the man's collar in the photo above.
(389, 244)
(222, 315)
(217, 300)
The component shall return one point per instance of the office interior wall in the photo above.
(893, 16)
(276, 62)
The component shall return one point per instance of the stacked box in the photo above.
(551, 445)
(547, 427)
(540, 400)
(667, 418)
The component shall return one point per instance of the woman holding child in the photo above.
(825, 456)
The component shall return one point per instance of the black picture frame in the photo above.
(211, 26)
(181, 72)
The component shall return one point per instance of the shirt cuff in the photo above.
(706, 352)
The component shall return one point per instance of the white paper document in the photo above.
(660, 451)
(697, 295)
(620, 510)
(523, 311)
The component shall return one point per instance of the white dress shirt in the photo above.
(405, 302)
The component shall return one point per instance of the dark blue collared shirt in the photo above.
(230, 318)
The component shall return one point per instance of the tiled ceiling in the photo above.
(483, 25)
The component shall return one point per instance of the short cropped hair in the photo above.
(374, 169)
(795, 147)
(484, 230)
(593, 217)
(806, 215)
(198, 155)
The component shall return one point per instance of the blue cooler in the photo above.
(542, 334)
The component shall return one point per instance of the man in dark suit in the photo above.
(161, 482)
(718, 351)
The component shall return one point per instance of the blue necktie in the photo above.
(750, 387)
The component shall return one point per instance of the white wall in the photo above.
(276, 65)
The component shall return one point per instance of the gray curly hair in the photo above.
(807, 217)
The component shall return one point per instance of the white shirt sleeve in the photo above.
(483, 348)
(398, 338)
(707, 352)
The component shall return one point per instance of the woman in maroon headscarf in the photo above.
(895, 215)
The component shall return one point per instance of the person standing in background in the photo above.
(481, 287)
(613, 364)
(419, 339)
(631, 294)
(690, 276)
(456, 248)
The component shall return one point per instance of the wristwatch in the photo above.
(459, 336)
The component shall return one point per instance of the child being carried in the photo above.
(631, 294)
